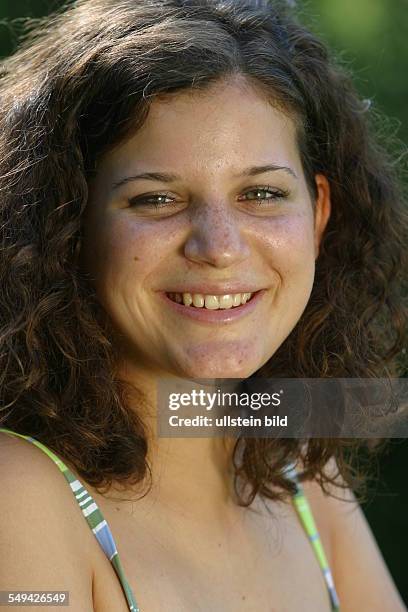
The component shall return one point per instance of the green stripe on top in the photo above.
(92, 514)
(304, 512)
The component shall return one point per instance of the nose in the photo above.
(216, 237)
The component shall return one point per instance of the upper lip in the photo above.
(210, 289)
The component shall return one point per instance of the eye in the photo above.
(274, 194)
(152, 200)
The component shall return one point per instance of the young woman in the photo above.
(159, 160)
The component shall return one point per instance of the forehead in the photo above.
(225, 125)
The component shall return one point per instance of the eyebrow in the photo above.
(167, 177)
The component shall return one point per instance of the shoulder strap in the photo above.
(92, 514)
(304, 512)
(101, 530)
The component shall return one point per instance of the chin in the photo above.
(236, 357)
(218, 371)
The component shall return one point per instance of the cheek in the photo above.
(288, 243)
(289, 252)
(121, 253)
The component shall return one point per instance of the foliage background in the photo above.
(370, 36)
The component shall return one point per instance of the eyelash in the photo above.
(278, 194)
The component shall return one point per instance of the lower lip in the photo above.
(224, 315)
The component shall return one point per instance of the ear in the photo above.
(322, 209)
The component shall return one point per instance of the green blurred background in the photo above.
(371, 37)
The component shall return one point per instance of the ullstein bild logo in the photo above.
(283, 407)
(227, 421)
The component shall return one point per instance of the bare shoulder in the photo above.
(44, 539)
(362, 579)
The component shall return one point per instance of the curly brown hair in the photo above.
(81, 83)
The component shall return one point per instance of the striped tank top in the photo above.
(102, 532)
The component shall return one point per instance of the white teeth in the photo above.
(211, 302)
(198, 300)
(226, 301)
(185, 298)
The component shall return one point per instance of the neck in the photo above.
(190, 476)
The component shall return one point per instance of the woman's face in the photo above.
(221, 228)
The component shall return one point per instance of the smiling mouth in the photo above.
(211, 302)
